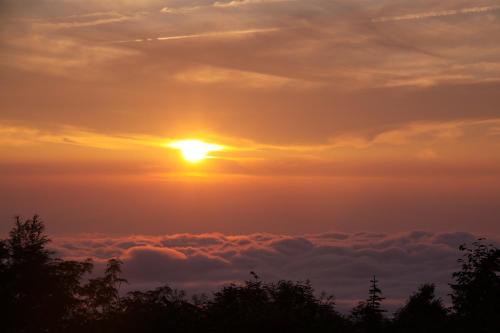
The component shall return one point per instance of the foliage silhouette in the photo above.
(284, 306)
(39, 293)
(42, 293)
(422, 313)
(476, 291)
(160, 310)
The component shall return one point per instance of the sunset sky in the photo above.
(355, 117)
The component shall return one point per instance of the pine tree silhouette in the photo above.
(368, 316)
(375, 297)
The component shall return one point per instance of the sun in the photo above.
(193, 150)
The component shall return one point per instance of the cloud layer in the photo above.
(339, 263)
(340, 114)
(263, 70)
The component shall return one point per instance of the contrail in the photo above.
(239, 3)
(202, 35)
(451, 12)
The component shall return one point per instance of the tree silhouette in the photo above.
(160, 310)
(284, 306)
(422, 313)
(295, 308)
(476, 291)
(102, 293)
(39, 293)
(42, 293)
(375, 297)
(239, 308)
(101, 298)
(368, 316)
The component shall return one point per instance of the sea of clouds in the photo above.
(338, 263)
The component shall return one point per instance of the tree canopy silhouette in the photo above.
(40, 292)
(422, 313)
(284, 306)
(476, 290)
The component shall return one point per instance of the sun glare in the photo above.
(194, 150)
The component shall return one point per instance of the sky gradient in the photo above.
(348, 116)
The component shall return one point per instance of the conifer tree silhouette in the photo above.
(375, 297)
(368, 316)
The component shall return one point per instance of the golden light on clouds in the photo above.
(193, 150)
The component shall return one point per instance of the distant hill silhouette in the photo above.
(42, 293)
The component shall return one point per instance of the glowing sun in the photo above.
(194, 150)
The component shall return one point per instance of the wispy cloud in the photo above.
(85, 20)
(218, 5)
(239, 3)
(214, 34)
(244, 79)
(418, 133)
(69, 135)
(451, 12)
(422, 133)
(180, 10)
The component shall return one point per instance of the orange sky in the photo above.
(334, 115)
